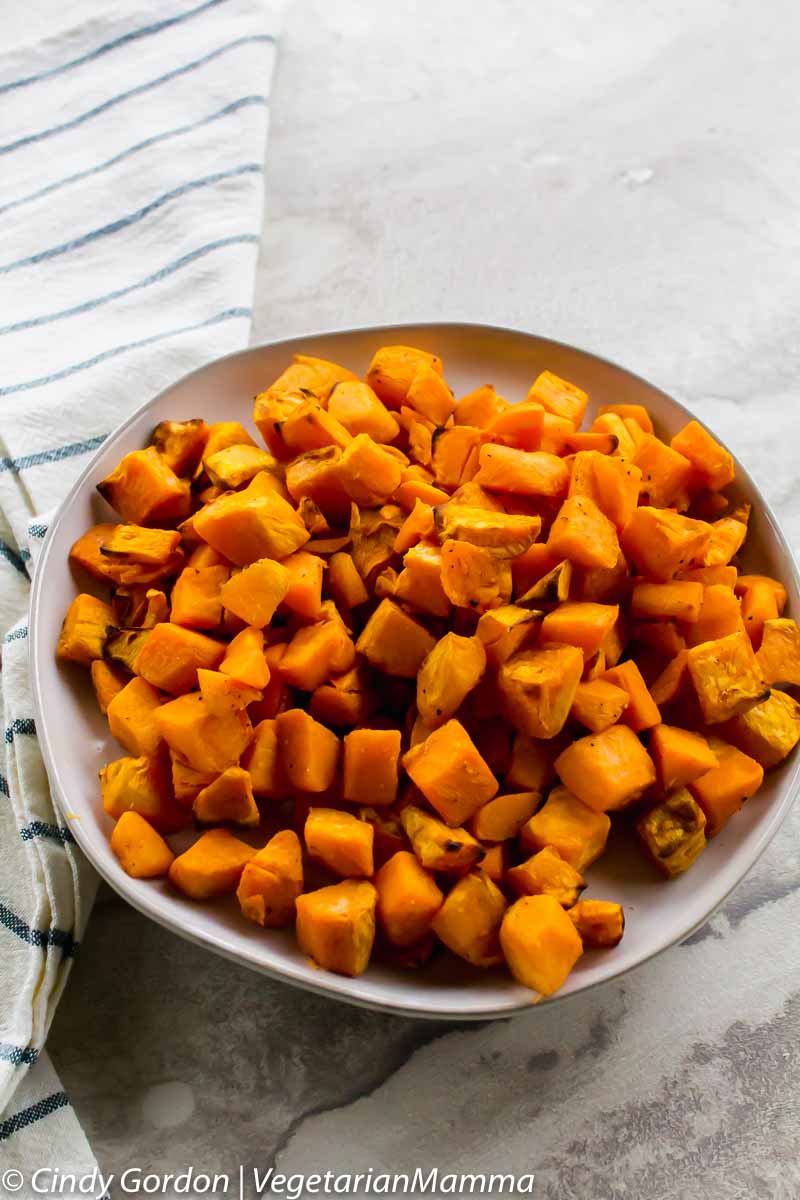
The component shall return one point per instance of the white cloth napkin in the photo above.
(131, 189)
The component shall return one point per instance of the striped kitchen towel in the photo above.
(131, 187)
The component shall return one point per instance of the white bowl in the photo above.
(75, 741)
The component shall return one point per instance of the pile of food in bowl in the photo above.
(402, 666)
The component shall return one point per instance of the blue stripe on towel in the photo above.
(156, 277)
(53, 833)
(124, 39)
(27, 1116)
(22, 726)
(37, 937)
(227, 315)
(25, 461)
(10, 555)
(133, 218)
(234, 106)
(18, 1055)
(16, 635)
(4, 788)
(31, 138)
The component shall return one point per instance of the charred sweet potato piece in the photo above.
(438, 846)
(551, 588)
(143, 785)
(88, 552)
(83, 633)
(680, 756)
(309, 752)
(408, 899)
(340, 841)
(246, 527)
(538, 687)
(272, 880)
(600, 923)
(547, 874)
(673, 832)
(206, 741)
(212, 866)
(598, 704)
(778, 656)
(448, 674)
(229, 797)
(394, 642)
(577, 832)
(523, 472)
(607, 770)
(468, 921)
(539, 943)
(370, 766)
(767, 732)
(450, 773)
(661, 542)
(501, 819)
(143, 489)
(131, 717)
(722, 791)
(141, 850)
(181, 443)
(583, 534)
(712, 463)
(336, 925)
(726, 677)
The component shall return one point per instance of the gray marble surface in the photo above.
(622, 176)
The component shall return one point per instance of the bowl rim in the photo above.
(328, 984)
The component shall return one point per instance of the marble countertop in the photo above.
(623, 177)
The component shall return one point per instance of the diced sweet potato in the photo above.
(680, 756)
(523, 472)
(421, 583)
(579, 623)
(207, 741)
(479, 407)
(262, 760)
(144, 490)
(272, 880)
(187, 782)
(196, 599)
(583, 534)
(345, 583)
(722, 791)
(181, 443)
(599, 704)
(559, 397)
(726, 677)
(336, 925)
(234, 466)
(222, 694)
(720, 615)
(108, 681)
(666, 474)
(577, 832)
(340, 841)
(429, 395)
(551, 588)
(507, 535)
(89, 552)
(244, 659)
(454, 456)
(356, 406)
(673, 832)
(661, 601)
(641, 711)
(608, 770)
(143, 785)
(131, 717)
(546, 873)
(370, 766)
(712, 463)
(759, 605)
(634, 412)
(531, 766)
(229, 797)
(309, 752)
(408, 899)
(538, 687)
(171, 656)
(212, 866)
(468, 921)
(539, 943)
(767, 732)
(472, 576)
(394, 642)
(141, 850)
(318, 651)
(255, 592)
(246, 527)
(726, 538)
(346, 700)
(600, 923)
(450, 773)
(778, 656)
(392, 371)
(667, 687)
(84, 630)
(661, 542)
(368, 472)
(437, 846)
(223, 434)
(612, 483)
(502, 818)
(506, 630)
(448, 674)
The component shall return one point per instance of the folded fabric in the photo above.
(131, 193)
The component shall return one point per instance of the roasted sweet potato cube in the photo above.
(394, 642)
(722, 791)
(421, 582)
(131, 717)
(229, 797)
(448, 674)
(539, 943)
(223, 434)
(108, 681)
(599, 704)
(680, 756)
(309, 426)
(531, 766)
(551, 588)
(392, 371)
(255, 592)
(726, 538)
(206, 741)
(502, 818)
(479, 407)
(579, 623)
(759, 605)
(450, 773)
(181, 443)
(262, 760)
(408, 899)
(505, 534)
(666, 474)
(212, 866)
(340, 841)
(223, 694)
(673, 832)
(429, 395)
(583, 534)
(144, 489)
(84, 630)
(744, 583)
(336, 925)
(523, 472)
(634, 412)
(547, 874)
(667, 687)
(309, 752)
(538, 687)
(778, 656)
(559, 396)
(661, 542)
(612, 483)
(272, 880)
(143, 785)
(141, 850)
(726, 677)
(234, 466)
(436, 845)
(368, 472)
(720, 615)
(767, 732)
(600, 923)
(370, 766)
(123, 646)
(196, 599)
(314, 478)
(680, 599)
(244, 659)
(170, 657)
(577, 832)
(318, 651)
(346, 700)
(187, 782)
(246, 527)
(504, 631)
(712, 463)
(641, 711)
(454, 456)
(356, 406)
(304, 574)
(472, 576)
(345, 583)
(468, 921)
(607, 770)
(87, 552)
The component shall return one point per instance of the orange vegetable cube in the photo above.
(368, 472)
(309, 752)
(472, 576)
(180, 443)
(429, 395)
(272, 880)
(421, 583)
(394, 642)
(355, 406)
(546, 874)
(559, 397)
(336, 925)
(450, 773)
(538, 687)
(408, 899)
(612, 483)
(583, 534)
(599, 704)
(144, 490)
(142, 785)
(340, 841)
(437, 846)
(531, 766)
(234, 466)
(207, 741)
(579, 623)
(607, 770)
(84, 631)
(722, 791)
(479, 407)
(539, 943)
(468, 921)
(392, 371)
(502, 818)
(666, 474)
(759, 605)
(370, 766)
(196, 600)
(577, 832)
(171, 655)
(662, 601)
(767, 732)
(454, 456)
(680, 756)
(523, 472)
(661, 542)
(633, 412)
(229, 797)
(225, 433)
(254, 593)
(778, 656)
(345, 583)
(347, 700)
(600, 923)
(725, 540)
(726, 677)
(720, 615)
(212, 866)
(244, 659)
(223, 694)
(448, 674)
(262, 760)
(108, 682)
(673, 833)
(246, 526)
(141, 850)
(131, 717)
(711, 461)
(641, 711)
(318, 651)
